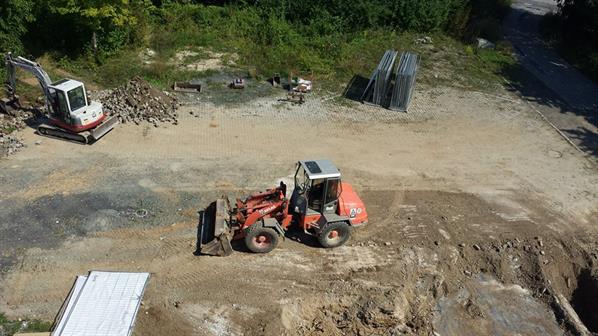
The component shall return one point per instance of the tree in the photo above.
(95, 16)
(14, 17)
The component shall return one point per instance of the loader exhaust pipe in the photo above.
(213, 230)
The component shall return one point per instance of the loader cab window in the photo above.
(316, 194)
(77, 98)
(301, 179)
(332, 190)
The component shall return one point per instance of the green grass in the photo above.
(10, 327)
(267, 45)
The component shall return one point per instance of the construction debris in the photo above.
(302, 85)
(237, 83)
(485, 44)
(424, 40)
(138, 101)
(296, 97)
(9, 145)
(187, 87)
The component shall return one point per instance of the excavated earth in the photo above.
(482, 220)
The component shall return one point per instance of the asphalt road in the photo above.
(567, 98)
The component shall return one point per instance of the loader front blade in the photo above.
(214, 231)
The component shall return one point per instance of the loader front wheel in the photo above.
(334, 234)
(261, 240)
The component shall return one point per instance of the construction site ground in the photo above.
(482, 220)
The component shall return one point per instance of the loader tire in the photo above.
(334, 234)
(260, 239)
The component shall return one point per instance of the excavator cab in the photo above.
(69, 105)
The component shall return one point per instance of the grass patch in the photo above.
(267, 44)
(10, 327)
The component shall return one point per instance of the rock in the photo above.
(542, 252)
(424, 40)
(476, 247)
(485, 44)
(466, 272)
(138, 101)
(387, 243)
(38, 142)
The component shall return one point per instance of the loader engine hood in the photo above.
(352, 206)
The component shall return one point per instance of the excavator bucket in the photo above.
(9, 105)
(103, 128)
(214, 234)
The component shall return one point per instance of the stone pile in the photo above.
(9, 144)
(138, 101)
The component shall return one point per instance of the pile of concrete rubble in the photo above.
(10, 144)
(138, 101)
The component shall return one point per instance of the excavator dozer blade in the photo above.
(214, 231)
(103, 128)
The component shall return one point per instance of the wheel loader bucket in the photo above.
(214, 231)
(103, 128)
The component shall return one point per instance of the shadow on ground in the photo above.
(579, 122)
(355, 88)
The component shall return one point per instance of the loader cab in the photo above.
(317, 187)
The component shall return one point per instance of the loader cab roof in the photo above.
(320, 169)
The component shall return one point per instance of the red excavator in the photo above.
(320, 204)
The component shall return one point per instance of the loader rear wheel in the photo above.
(334, 234)
(261, 240)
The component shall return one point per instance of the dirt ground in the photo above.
(482, 220)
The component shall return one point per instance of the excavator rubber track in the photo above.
(59, 133)
(213, 231)
(83, 138)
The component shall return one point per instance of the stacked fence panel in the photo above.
(377, 89)
(404, 82)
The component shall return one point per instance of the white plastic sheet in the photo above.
(103, 304)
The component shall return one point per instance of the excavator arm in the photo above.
(12, 63)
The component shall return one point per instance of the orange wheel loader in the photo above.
(320, 204)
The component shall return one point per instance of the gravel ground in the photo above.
(481, 216)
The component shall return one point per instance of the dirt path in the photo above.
(480, 215)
